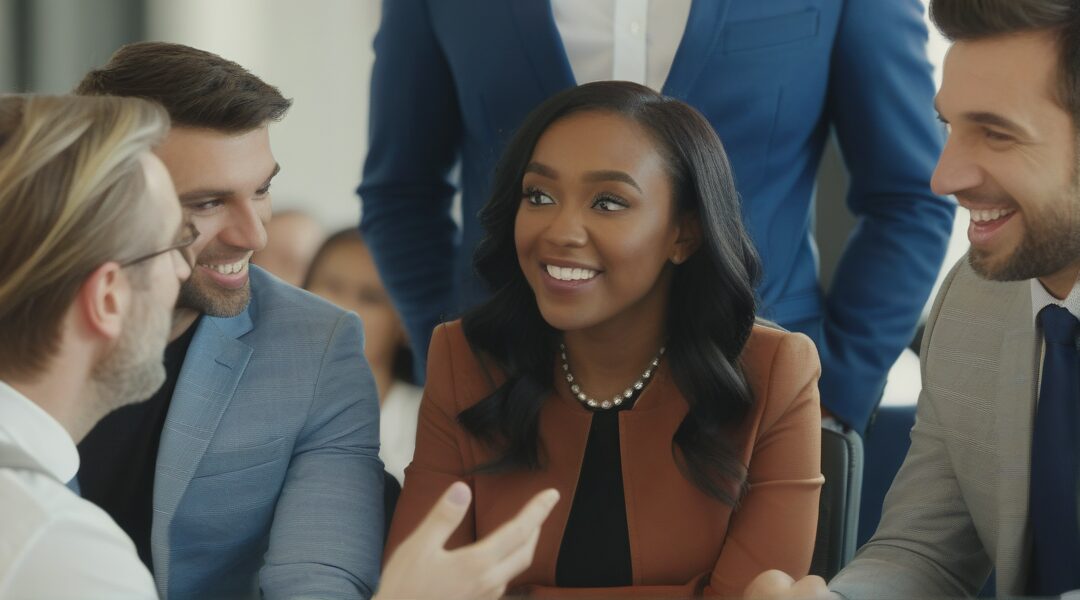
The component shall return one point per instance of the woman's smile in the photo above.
(596, 225)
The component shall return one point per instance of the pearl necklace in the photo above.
(618, 399)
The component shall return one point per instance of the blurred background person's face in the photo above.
(293, 238)
(345, 274)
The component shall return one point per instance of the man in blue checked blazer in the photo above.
(454, 78)
(254, 471)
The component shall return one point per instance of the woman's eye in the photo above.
(537, 197)
(609, 204)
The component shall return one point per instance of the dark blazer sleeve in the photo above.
(880, 101)
(406, 191)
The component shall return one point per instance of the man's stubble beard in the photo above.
(135, 368)
(1051, 242)
(204, 299)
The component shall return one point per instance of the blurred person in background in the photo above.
(453, 80)
(292, 238)
(344, 273)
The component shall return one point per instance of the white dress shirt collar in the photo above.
(1040, 299)
(26, 425)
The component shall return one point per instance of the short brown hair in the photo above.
(197, 88)
(72, 191)
(975, 19)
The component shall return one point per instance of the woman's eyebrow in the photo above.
(612, 176)
(542, 170)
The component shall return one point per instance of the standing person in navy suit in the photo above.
(453, 80)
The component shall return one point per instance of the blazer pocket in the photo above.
(232, 461)
(767, 32)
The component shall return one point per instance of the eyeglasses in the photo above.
(182, 245)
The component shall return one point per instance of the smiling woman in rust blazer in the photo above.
(619, 362)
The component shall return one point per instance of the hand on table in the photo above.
(421, 568)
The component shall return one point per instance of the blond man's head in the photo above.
(73, 197)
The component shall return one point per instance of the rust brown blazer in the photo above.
(682, 542)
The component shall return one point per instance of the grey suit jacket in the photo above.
(268, 477)
(959, 504)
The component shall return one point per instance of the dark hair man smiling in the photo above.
(255, 468)
(991, 479)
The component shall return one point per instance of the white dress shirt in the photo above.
(54, 544)
(397, 427)
(1040, 299)
(626, 40)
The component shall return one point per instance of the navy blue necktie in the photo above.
(1054, 461)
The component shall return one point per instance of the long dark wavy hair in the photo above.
(710, 311)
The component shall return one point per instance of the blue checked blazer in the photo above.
(268, 477)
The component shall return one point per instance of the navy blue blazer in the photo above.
(454, 78)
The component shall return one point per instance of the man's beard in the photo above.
(1051, 242)
(203, 297)
(134, 369)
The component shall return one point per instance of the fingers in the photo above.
(508, 550)
(514, 533)
(444, 517)
(507, 568)
(810, 586)
(770, 584)
(777, 584)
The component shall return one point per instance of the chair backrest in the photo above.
(838, 516)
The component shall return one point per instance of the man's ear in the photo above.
(689, 238)
(103, 301)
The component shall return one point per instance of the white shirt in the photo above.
(397, 427)
(1040, 299)
(625, 40)
(54, 544)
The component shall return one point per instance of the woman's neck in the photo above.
(605, 360)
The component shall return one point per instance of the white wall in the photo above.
(7, 46)
(319, 54)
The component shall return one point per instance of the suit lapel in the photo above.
(697, 47)
(543, 45)
(1018, 384)
(212, 369)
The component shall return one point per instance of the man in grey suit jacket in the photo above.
(971, 495)
(255, 468)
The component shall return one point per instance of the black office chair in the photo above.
(838, 515)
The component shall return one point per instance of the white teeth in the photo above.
(992, 214)
(570, 274)
(229, 269)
